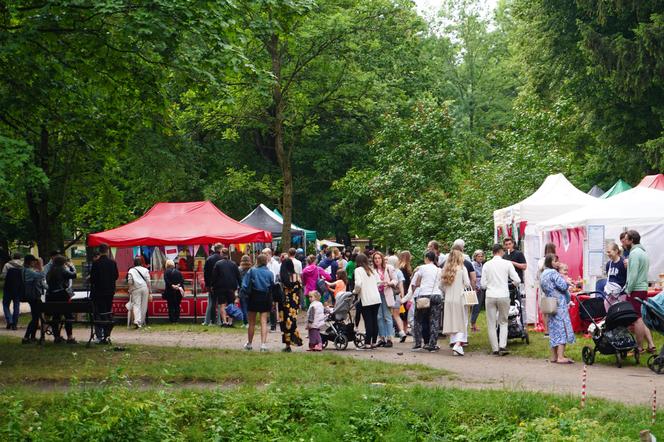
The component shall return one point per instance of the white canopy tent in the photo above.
(640, 208)
(555, 196)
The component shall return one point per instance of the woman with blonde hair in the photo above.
(398, 294)
(455, 314)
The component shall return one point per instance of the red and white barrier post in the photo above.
(583, 386)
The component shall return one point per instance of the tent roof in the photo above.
(617, 188)
(265, 219)
(634, 207)
(556, 195)
(653, 181)
(309, 234)
(199, 222)
(596, 191)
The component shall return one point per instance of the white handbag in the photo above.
(470, 297)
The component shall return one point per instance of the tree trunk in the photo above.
(282, 152)
(47, 225)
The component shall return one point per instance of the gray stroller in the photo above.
(340, 328)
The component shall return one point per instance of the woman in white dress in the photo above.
(455, 314)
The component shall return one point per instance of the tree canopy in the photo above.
(352, 117)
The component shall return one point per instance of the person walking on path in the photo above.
(138, 279)
(226, 280)
(366, 286)
(387, 281)
(478, 263)
(427, 282)
(245, 266)
(455, 280)
(559, 324)
(315, 321)
(11, 296)
(103, 276)
(496, 275)
(174, 284)
(211, 312)
(257, 284)
(289, 305)
(637, 286)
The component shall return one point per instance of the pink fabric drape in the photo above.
(570, 249)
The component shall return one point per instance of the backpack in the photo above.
(30, 291)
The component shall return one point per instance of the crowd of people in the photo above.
(393, 298)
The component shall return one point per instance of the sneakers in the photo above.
(264, 348)
(458, 349)
(388, 344)
(380, 344)
(503, 352)
(248, 347)
(416, 348)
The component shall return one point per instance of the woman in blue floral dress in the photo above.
(560, 326)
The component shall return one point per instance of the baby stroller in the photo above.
(652, 311)
(340, 327)
(516, 328)
(610, 336)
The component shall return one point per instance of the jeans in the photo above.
(212, 310)
(497, 309)
(385, 323)
(477, 307)
(370, 316)
(35, 312)
(11, 317)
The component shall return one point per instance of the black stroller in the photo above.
(340, 328)
(653, 316)
(516, 327)
(610, 336)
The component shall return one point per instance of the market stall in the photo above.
(178, 231)
(556, 195)
(619, 187)
(596, 191)
(265, 219)
(640, 208)
(653, 181)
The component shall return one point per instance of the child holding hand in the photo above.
(315, 320)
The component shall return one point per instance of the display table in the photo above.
(190, 306)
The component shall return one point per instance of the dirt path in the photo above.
(476, 370)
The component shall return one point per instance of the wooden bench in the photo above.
(78, 306)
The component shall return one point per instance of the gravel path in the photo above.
(631, 385)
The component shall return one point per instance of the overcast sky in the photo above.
(426, 6)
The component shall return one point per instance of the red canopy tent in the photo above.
(194, 223)
(653, 181)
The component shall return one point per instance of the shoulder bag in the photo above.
(424, 302)
(548, 305)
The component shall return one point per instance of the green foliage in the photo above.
(287, 412)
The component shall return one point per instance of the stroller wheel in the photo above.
(359, 340)
(619, 359)
(656, 364)
(325, 341)
(588, 355)
(526, 338)
(340, 342)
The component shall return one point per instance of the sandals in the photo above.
(652, 350)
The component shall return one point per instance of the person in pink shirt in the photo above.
(311, 274)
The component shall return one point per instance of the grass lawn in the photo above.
(314, 412)
(24, 364)
(539, 346)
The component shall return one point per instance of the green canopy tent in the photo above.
(310, 235)
(617, 188)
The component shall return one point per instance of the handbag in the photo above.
(470, 297)
(278, 294)
(423, 303)
(548, 305)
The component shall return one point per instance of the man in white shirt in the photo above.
(272, 264)
(296, 262)
(495, 279)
